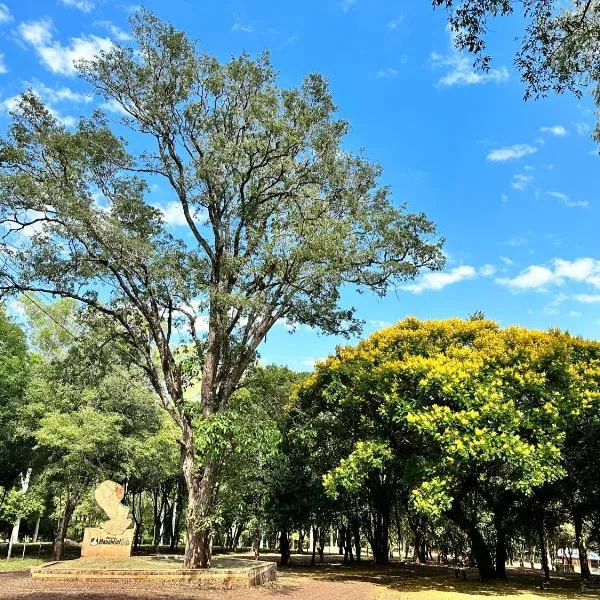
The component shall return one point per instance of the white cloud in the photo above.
(461, 70)
(115, 31)
(379, 324)
(557, 130)
(574, 313)
(539, 277)
(114, 107)
(173, 213)
(243, 28)
(5, 16)
(521, 182)
(59, 94)
(85, 6)
(518, 240)
(310, 362)
(511, 152)
(533, 277)
(487, 270)
(567, 201)
(3, 68)
(503, 198)
(587, 298)
(346, 5)
(56, 57)
(437, 281)
(387, 73)
(395, 23)
(582, 128)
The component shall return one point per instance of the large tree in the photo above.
(471, 416)
(278, 215)
(559, 46)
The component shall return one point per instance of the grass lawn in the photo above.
(17, 563)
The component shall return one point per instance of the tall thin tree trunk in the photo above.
(543, 548)
(36, 531)
(14, 535)
(584, 566)
(58, 547)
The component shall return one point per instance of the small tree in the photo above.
(278, 219)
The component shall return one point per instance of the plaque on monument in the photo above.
(112, 538)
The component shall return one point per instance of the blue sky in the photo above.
(511, 185)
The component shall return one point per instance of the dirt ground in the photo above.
(300, 582)
(21, 587)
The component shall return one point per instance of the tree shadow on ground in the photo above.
(400, 577)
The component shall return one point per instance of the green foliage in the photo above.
(19, 505)
(14, 377)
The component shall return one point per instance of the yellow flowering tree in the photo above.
(471, 416)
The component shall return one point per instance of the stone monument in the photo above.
(112, 538)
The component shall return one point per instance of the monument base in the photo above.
(98, 542)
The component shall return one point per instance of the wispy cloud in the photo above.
(85, 6)
(521, 182)
(242, 28)
(379, 324)
(114, 107)
(487, 270)
(513, 152)
(346, 5)
(437, 281)
(115, 31)
(5, 16)
(567, 201)
(557, 130)
(3, 68)
(387, 73)
(582, 128)
(540, 277)
(59, 93)
(587, 298)
(395, 23)
(56, 57)
(462, 72)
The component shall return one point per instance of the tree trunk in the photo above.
(356, 534)
(582, 550)
(284, 548)
(321, 544)
(198, 542)
(543, 550)
(313, 537)
(36, 531)
(501, 554)
(479, 548)
(58, 547)
(14, 535)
